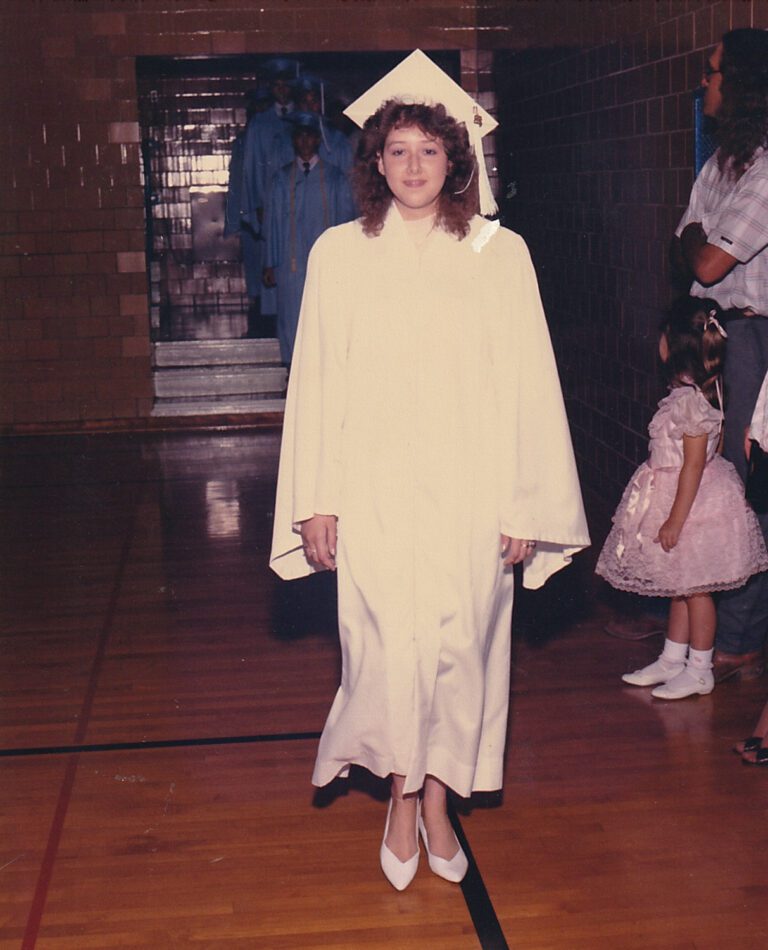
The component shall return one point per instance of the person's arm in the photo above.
(707, 263)
(694, 460)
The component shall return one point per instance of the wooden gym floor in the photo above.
(162, 694)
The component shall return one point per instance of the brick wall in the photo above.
(74, 324)
(597, 137)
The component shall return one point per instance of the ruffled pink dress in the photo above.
(720, 545)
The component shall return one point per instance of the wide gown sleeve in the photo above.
(540, 493)
(310, 455)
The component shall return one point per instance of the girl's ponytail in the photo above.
(713, 337)
(696, 339)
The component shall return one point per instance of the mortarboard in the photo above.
(304, 120)
(280, 67)
(418, 80)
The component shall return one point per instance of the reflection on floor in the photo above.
(161, 697)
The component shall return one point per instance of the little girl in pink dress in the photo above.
(683, 528)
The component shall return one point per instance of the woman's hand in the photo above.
(669, 534)
(514, 550)
(318, 535)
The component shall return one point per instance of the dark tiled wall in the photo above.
(599, 145)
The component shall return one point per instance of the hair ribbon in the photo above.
(712, 321)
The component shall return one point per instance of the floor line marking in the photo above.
(157, 744)
(476, 896)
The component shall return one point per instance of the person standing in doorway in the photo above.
(267, 147)
(257, 100)
(307, 197)
(721, 245)
(335, 147)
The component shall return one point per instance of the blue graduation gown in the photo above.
(320, 200)
(267, 148)
(234, 223)
(336, 148)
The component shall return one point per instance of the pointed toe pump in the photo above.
(398, 873)
(450, 870)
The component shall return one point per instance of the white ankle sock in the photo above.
(700, 659)
(673, 653)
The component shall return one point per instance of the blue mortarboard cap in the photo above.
(308, 83)
(304, 120)
(280, 67)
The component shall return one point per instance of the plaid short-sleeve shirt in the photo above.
(734, 215)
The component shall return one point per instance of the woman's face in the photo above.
(712, 81)
(415, 167)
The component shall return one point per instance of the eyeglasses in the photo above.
(709, 71)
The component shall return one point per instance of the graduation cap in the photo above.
(309, 83)
(417, 80)
(280, 67)
(304, 120)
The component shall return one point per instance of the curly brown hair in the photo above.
(457, 203)
(742, 119)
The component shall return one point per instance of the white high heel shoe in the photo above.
(450, 870)
(399, 873)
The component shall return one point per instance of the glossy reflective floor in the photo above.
(161, 698)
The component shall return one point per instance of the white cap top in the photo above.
(417, 80)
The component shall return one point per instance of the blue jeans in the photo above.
(742, 615)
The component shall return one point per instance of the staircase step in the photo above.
(216, 352)
(219, 381)
(217, 406)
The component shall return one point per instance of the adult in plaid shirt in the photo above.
(721, 245)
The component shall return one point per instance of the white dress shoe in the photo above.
(657, 672)
(398, 873)
(690, 682)
(451, 870)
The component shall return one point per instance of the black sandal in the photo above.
(751, 744)
(761, 757)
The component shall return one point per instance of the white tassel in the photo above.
(488, 204)
(322, 133)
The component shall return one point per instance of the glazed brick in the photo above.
(25, 329)
(136, 346)
(36, 264)
(108, 24)
(106, 306)
(72, 264)
(132, 304)
(90, 327)
(123, 132)
(101, 263)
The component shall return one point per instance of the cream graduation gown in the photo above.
(424, 411)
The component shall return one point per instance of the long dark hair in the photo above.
(742, 119)
(696, 345)
(457, 202)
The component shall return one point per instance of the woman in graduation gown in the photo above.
(425, 452)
